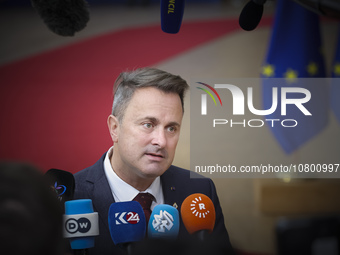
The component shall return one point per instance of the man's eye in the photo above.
(171, 129)
(147, 125)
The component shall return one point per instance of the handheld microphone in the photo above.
(198, 215)
(127, 223)
(251, 14)
(63, 17)
(80, 224)
(171, 15)
(62, 182)
(164, 222)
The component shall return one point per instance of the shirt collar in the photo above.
(123, 191)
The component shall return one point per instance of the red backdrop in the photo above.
(54, 105)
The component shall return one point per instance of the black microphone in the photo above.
(251, 14)
(63, 17)
(62, 182)
(171, 15)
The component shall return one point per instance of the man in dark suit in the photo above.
(144, 126)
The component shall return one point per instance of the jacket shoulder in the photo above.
(188, 180)
(181, 172)
(88, 176)
(91, 172)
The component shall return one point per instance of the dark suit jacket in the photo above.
(91, 183)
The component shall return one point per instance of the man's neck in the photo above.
(137, 182)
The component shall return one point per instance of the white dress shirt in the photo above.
(123, 191)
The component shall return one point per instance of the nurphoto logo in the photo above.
(295, 96)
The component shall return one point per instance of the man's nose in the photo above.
(159, 138)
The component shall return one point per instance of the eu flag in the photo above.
(295, 54)
(335, 85)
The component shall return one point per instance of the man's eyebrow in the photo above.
(149, 118)
(155, 120)
(174, 123)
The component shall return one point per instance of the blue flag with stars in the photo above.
(335, 85)
(295, 53)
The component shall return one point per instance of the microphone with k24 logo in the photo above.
(164, 222)
(127, 224)
(198, 215)
(80, 224)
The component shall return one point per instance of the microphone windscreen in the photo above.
(63, 17)
(80, 223)
(126, 222)
(164, 222)
(250, 16)
(198, 213)
(171, 15)
(62, 182)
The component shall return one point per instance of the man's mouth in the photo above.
(155, 155)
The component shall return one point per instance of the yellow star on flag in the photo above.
(312, 68)
(291, 75)
(268, 70)
(336, 69)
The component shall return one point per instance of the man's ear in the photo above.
(113, 125)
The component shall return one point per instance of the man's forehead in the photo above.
(153, 89)
(153, 103)
(151, 95)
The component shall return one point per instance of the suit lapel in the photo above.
(103, 198)
(99, 190)
(171, 195)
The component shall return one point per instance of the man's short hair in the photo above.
(128, 82)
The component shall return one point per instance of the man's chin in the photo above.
(153, 172)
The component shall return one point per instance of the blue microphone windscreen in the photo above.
(164, 222)
(171, 15)
(84, 224)
(78, 206)
(126, 222)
